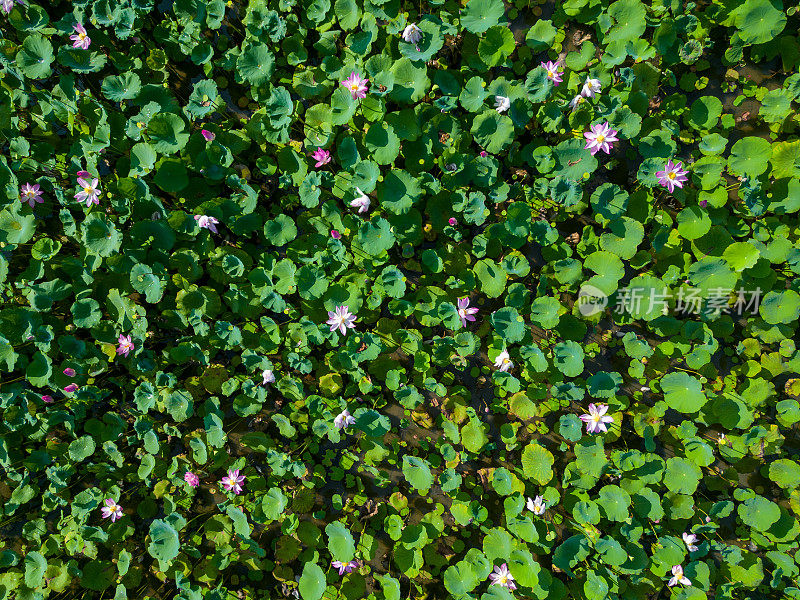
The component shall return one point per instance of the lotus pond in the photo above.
(445, 299)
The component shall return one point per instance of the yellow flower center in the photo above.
(139, 124)
(354, 86)
(596, 417)
(88, 190)
(600, 139)
(551, 74)
(503, 580)
(82, 36)
(671, 175)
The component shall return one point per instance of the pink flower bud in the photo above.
(335, 234)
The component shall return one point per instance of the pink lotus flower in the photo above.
(672, 176)
(690, 540)
(596, 419)
(341, 319)
(192, 479)
(536, 506)
(356, 85)
(452, 221)
(7, 5)
(678, 577)
(47, 398)
(484, 153)
(335, 234)
(83, 174)
(465, 312)
(591, 87)
(125, 345)
(31, 194)
(112, 509)
(90, 192)
(208, 135)
(268, 375)
(70, 388)
(344, 419)
(69, 372)
(573, 104)
(503, 577)
(601, 137)
(323, 157)
(206, 222)
(80, 39)
(503, 361)
(232, 481)
(345, 567)
(553, 73)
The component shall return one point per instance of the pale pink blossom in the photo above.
(600, 137)
(361, 201)
(126, 346)
(47, 398)
(80, 39)
(233, 481)
(268, 375)
(31, 194)
(502, 576)
(341, 319)
(90, 191)
(192, 479)
(112, 510)
(323, 157)
(7, 5)
(465, 312)
(596, 419)
(503, 361)
(501, 104)
(690, 540)
(678, 577)
(71, 388)
(412, 34)
(356, 85)
(673, 175)
(536, 505)
(345, 567)
(552, 69)
(591, 87)
(344, 419)
(206, 222)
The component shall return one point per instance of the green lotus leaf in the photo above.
(750, 156)
(759, 21)
(759, 513)
(683, 393)
(480, 15)
(121, 87)
(537, 463)
(166, 132)
(492, 131)
(35, 56)
(780, 307)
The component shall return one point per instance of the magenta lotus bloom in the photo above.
(601, 137)
(678, 577)
(672, 176)
(208, 135)
(341, 319)
(553, 74)
(232, 481)
(452, 221)
(192, 479)
(69, 372)
(112, 509)
(356, 85)
(31, 194)
(90, 191)
(80, 39)
(503, 577)
(47, 398)
(345, 567)
(206, 222)
(71, 388)
(596, 419)
(125, 345)
(484, 153)
(690, 540)
(344, 419)
(83, 175)
(323, 157)
(335, 234)
(465, 312)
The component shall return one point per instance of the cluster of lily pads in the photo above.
(375, 299)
